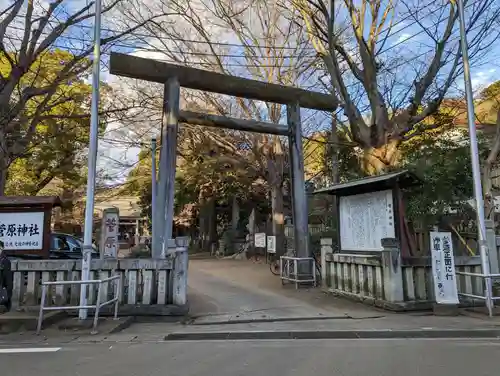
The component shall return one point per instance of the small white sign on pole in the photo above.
(260, 240)
(443, 268)
(271, 244)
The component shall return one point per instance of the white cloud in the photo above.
(403, 37)
(482, 79)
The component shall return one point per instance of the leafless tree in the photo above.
(251, 39)
(404, 81)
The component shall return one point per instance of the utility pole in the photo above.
(334, 149)
(154, 187)
(476, 170)
(92, 161)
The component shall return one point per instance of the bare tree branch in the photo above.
(391, 120)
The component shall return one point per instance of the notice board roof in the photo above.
(372, 184)
(29, 201)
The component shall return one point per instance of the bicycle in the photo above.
(317, 266)
(253, 256)
(221, 254)
(275, 266)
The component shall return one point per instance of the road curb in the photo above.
(123, 323)
(279, 319)
(335, 334)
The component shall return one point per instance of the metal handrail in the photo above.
(481, 275)
(489, 300)
(97, 306)
(285, 265)
(91, 282)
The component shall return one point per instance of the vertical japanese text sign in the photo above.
(260, 240)
(443, 268)
(271, 244)
(22, 231)
(109, 233)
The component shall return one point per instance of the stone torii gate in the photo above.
(174, 77)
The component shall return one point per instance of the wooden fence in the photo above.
(464, 241)
(368, 278)
(147, 285)
(313, 229)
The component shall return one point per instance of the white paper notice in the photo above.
(365, 219)
(271, 244)
(260, 240)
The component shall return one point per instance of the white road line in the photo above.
(21, 350)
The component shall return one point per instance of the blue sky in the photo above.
(407, 39)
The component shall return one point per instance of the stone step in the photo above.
(16, 321)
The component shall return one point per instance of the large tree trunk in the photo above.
(331, 206)
(377, 161)
(489, 199)
(235, 214)
(203, 225)
(334, 140)
(212, 223)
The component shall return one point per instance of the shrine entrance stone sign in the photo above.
(25, 224)
(109, 233)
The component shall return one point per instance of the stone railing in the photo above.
(418, 282)
(385, 280)
(148, 286)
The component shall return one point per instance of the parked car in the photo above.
(62, 247)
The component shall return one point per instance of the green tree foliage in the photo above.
(60, 133)
(205, 172)
(41, 85)
(492, 91)
(444, 166)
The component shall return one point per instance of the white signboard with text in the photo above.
(271, 244)
(443, 268)
(365, 219)
(260, 240)
(22, 231)
(109, 241)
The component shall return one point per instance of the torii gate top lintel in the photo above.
(199, 79)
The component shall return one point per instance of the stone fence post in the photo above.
(392, 271)
(180, 277)
(326, 248)
(182, 241)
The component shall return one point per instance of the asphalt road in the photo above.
(255, 358)
(230, 289)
